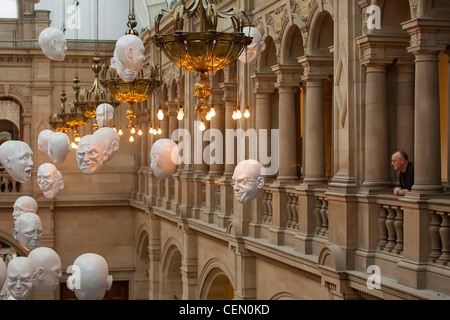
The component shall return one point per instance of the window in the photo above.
(9, 9)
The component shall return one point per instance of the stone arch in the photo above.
(215, 281)
(173, 96)
(321, 34)
(291, 49)
(7, 237)
(172, 284)
(11, 109)
(393, 13)
(284, 296)
(268, 57)
(332, 258)
(435, 9)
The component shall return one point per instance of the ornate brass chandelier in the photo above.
(131, 92)
(97, 94)
(205, 51)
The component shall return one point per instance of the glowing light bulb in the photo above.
(114, 128)
(160, 114)
(155, 132)
(140, 132)
(208, 116)
(159, 131)
(246, 113)
(150, 130)
(238, 114)
(180, 114)
(131, 139)
(212, 112)
(234, 116)
(202, 126)
(120, 132)
(133, 130)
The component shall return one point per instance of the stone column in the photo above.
(405, 107)
(424, 38)
(427, 157)
(288, 82)
(263, 89)
(230, 124)
(316, 70)
(376, 159)
(314, 133)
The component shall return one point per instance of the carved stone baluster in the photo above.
(398, 225)
(318, 216)
(444, 231)
(218, 197)
(391, 229)
(323, 214)
(435, 238)
(289, 210)
(265, 206)
(269, 205)
(294, 207)
(382, 228)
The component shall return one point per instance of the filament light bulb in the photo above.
(160, 114)
(212, 112)
(120, 132)
(238, 114)
(234, 116)
(131, 138)
(133, 130)
(208, 116)
(159, 131)
(140, 132)
(246, 113)
(180, 114)
(202, 126)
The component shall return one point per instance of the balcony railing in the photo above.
(305, 220)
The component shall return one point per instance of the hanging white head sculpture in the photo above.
(111, 140)
(58, 147)
(129, 52)
(164, 157)
(53, 43)
(91, 153)
(24, 204)
(49, 180)
(28, 230)
(104, 115)
(248, 180)
(47, 268)
(254, 49)
(90, 277)
(17, 158)
(43, 140)
(20, 277)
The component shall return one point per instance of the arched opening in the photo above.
(292, 51)
(220, 288)
(268, 57)
(322, 47)
(8, 131)
(10, 118)
(172, 282)
(142, 271)
(323, 35)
